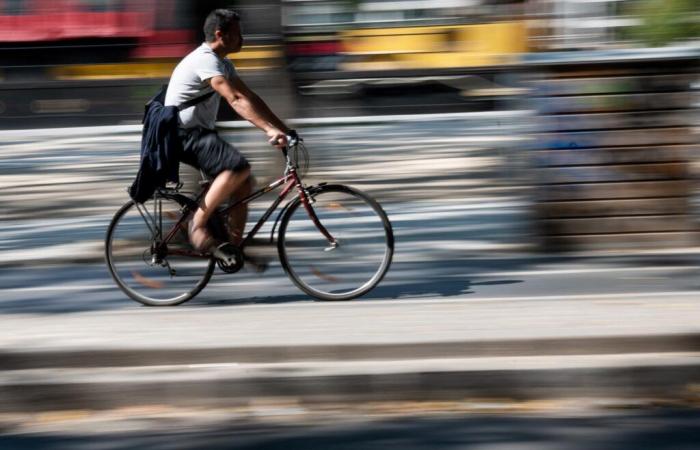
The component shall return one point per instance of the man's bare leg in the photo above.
(221, 188)
(237, 219)
(238, 216)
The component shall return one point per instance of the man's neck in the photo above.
(216, 48)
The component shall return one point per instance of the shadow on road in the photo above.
(83, 288)
(449, 278)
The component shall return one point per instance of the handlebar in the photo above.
(293, 139)
(295, 153)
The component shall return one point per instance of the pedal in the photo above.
(228, 257)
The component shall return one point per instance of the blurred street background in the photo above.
(538, 160)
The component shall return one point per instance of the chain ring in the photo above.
(236, 264)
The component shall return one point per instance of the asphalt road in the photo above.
(658, 429)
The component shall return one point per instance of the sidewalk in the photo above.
(361, 351)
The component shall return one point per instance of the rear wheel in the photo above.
(365, 244)
(164, 277)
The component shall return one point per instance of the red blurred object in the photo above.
(315, 48)
(148, 23)
(165, 44)
(73, 25)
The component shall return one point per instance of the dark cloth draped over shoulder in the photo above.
(160, 149)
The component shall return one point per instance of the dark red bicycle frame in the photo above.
(291, 178)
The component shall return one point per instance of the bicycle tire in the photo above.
(364, 254)
(205, 268)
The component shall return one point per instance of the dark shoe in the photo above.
(256, 264)
(229, 257)
(257, 255)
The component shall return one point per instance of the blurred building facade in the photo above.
(112, 53)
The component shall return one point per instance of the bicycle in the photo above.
(333, 241)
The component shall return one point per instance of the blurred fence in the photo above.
(614, 158)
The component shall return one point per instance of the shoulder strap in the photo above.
(196, 100)
(160, 97)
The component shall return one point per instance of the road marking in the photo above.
(206, 366)
(592, 296)
(467, 299)
(588, 270)
(429, 117)
(59, 288)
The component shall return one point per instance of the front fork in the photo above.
(307, 200)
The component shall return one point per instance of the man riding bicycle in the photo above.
(334, 242)
(203, 70)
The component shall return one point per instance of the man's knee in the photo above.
(237, 177)
(249, 183)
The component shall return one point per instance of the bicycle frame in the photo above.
(290, 180)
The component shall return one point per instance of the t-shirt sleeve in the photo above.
(209, 67)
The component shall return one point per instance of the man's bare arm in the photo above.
(251, 107)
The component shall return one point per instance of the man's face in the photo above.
(232, 39)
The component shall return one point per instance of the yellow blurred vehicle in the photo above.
(433, 47)
(335, 47)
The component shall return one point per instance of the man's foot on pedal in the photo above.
(256, 264)
(226, 252)
(257, 255)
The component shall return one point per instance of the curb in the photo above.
(672, 377)
(596, 345)
(664, 367)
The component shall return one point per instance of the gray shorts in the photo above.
(206, 150)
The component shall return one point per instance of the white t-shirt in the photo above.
(190, 80)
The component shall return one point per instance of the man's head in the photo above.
(222, 29)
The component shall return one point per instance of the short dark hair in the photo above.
(219, 19)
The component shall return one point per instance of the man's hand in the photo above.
(277, 138)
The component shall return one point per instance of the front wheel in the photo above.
(358, 260)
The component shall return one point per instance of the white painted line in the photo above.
(464, 299)
(625, 296)
(101, 130)
(53, 288)
(201, 366)
(589, 270)
(413, 117)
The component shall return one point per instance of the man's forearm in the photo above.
(268, 114)
(255, 111)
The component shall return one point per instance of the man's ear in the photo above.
(218, 34)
